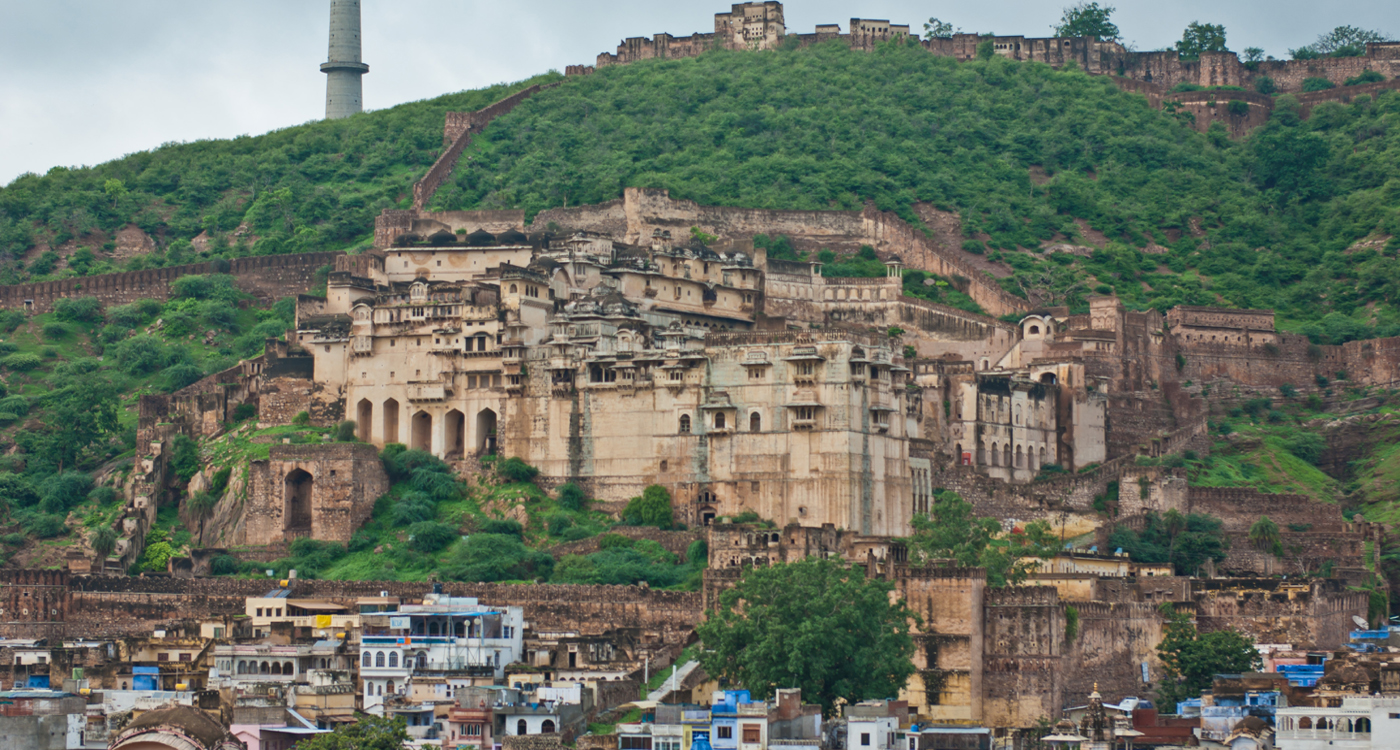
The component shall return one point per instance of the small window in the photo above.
(719, 421)
(162, 656)
(865, 739)
(685, 424)
(724, 733)
(752, 733)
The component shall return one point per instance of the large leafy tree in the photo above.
(1191, 660)
(78, 415)
(1201, 37)
(368, 733)
(816, 624)
(1347, 40)
(1089, 19)
(653, 508)
(1184, 540)
(952, 532)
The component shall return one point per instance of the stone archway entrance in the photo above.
(297, 488)
(486, 433)
(422, 429)
(364, 420)
(455, 441)
(391, 421)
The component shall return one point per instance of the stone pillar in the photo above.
(344, 89)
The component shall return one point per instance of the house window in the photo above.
(185, 657)
(724, 733)
(865, 739)
(752, 734)
(719, 421)
(162, 657)
(634, 743)
(685, 424)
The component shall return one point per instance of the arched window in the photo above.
(389, 687)
(520, 728)
(369, 689)
(264, 668)
(1035, 329)
(393, 659)
(996, 455)
(432, 628)
(422, 661)
(547, 727)
(513, 290)
(1042, 456)
(1020, 460)
(277, 667)
(381, 690)
(243, 667)
(379, 659)
(1007, 449)
(685, 424)
(1018, 414)
(755, 422)
(1363, 726)
(368, 659)
(719, 420)
(1305, 723)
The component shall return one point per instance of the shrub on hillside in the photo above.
(78, 309)
(505, 526)
(431, 537)
(516, 470)
(23, 362)
(1317, 84)
(571, 496)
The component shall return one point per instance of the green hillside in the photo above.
(1025, 154)
(310, 187)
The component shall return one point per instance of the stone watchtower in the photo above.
(344, 90)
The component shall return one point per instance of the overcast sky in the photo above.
(87, 81)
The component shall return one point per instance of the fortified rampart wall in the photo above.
(268, 277)
(113, 606)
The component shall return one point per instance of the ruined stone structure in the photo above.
(324, 492)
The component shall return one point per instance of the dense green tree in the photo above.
(104, 540)
(1190, 660)
(1349, 40)
(496, 557)
(572, 497)
(367, 733)
(818, 625)
(1186, 541)
(1201, 37)
(653, 508)
(1089, 19)
(936, 29)
(78, 416)
(950, 531)
(1264, 535)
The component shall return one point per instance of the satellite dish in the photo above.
(1360, 622)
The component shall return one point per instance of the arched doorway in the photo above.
(391, 421)
(364, 420)
(296, 488)
(486, 433)
(521, 728)
(456, 424)
(547, 727)
(422, 431)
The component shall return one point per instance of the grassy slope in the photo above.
(1019, 150)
